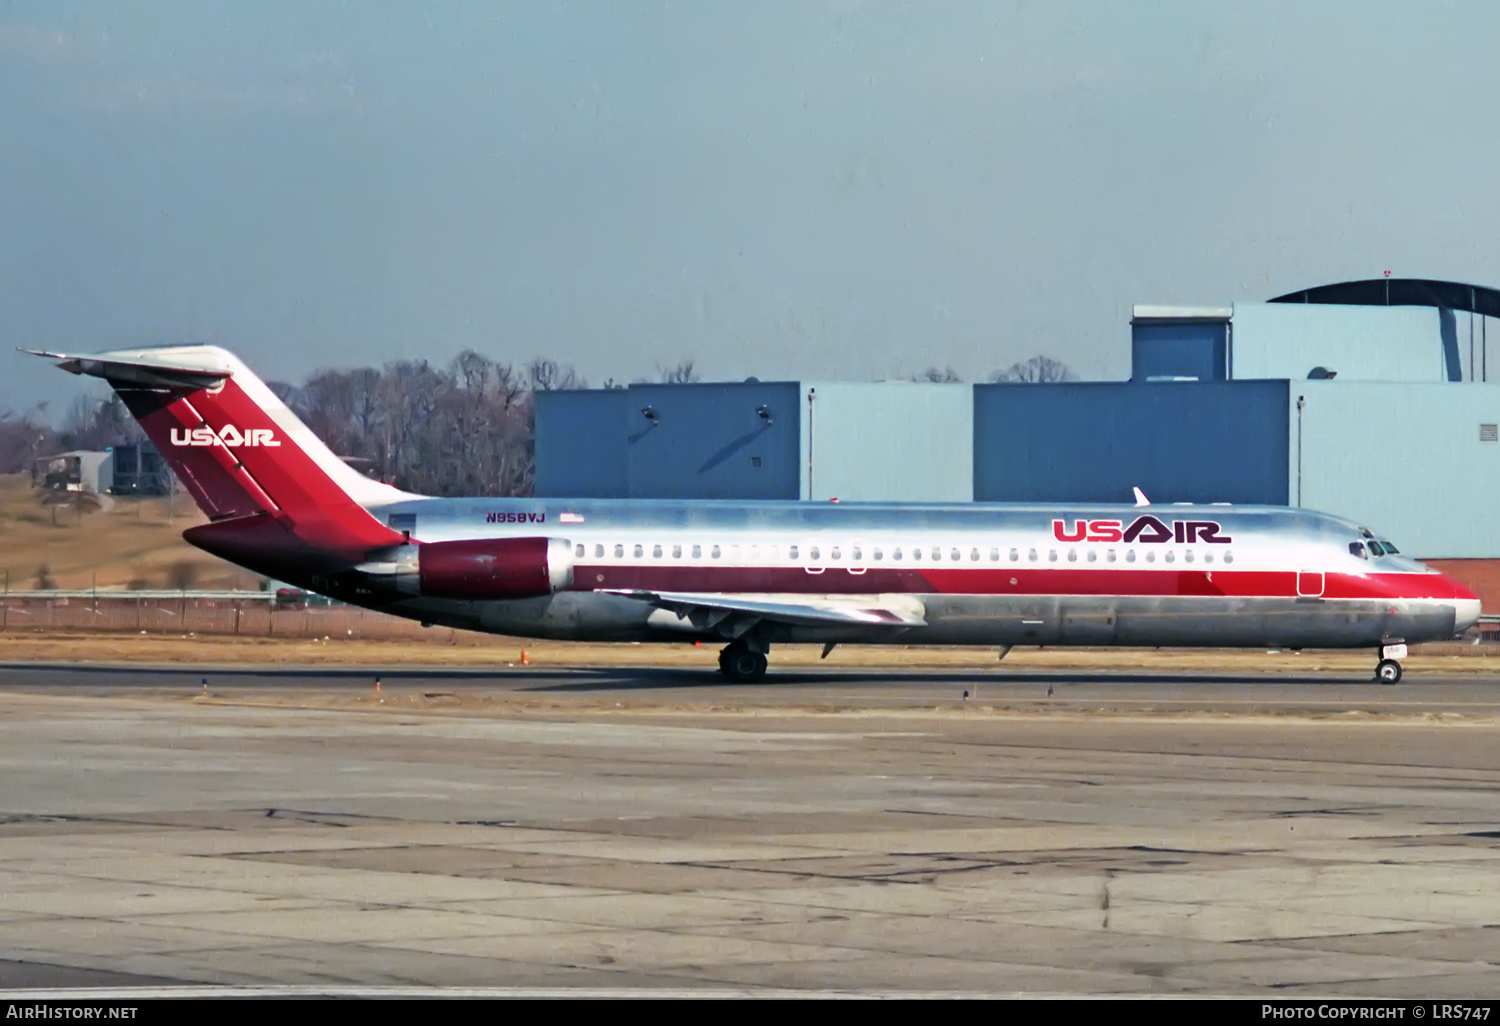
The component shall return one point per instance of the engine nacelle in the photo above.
(494, 568)
(480, 568)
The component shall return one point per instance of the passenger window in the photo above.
(1031, 555)
(639, 552)
(1130, 555)
(579, 551)
(974, 555)
(955, 555)
(995, 555)
(676, 551)
(1171, 556)
(812, 553)
(1015, 554)
(1208, 557)
(1151, 557)
(834, 553)
(1093, 556)
(877, 554)
(1229, 557)
(598, 551)
(697, 551)
(619, 552)
(1052, 555)
(656, 552)
(855, 555)
(1072, 555)
(791, 552)
(937, 555)
(715, 552)
(896, 554)
(1109, 557)
(734, 553)
(1188, 556)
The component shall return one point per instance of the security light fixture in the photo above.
(764, 413)
(649, 412)
(1321, 374)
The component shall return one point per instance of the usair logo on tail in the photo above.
(230, 437)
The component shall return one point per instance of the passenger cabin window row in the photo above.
(814, 553)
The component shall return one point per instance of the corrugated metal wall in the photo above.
(1405, 460)
(891, 441)
(580, 444)
(1359, 343)
(708, 441)
(1178, 349)
(1091, 442)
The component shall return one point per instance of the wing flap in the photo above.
(897, 611)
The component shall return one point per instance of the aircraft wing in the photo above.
(735, 614)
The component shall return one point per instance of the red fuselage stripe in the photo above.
(1018, 581)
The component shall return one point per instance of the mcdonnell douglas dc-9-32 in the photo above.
(750, 575)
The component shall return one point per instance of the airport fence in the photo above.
(265, 614)
(225, 613)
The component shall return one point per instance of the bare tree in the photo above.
(682, 374)
(1035, 370)
(945, 376)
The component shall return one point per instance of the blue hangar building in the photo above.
(1368, 399)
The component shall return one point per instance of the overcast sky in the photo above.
(833, 189)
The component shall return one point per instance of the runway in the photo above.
(847, 831)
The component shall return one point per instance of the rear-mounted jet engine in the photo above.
(479, 568)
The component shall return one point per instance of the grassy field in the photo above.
(122, 543)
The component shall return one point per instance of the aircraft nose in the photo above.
(1465, 607)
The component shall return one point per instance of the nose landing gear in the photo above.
(1388, 670)
(741, 663)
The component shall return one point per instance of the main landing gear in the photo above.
(741, 663)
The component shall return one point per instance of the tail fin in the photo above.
(240, 451)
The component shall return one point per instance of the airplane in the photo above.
(749, 575)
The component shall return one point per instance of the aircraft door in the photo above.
(1310, 584)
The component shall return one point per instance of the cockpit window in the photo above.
(1357, 549)
(1375, 549)
(1390, 550)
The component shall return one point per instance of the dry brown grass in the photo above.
(133, 542)
(446, 648)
